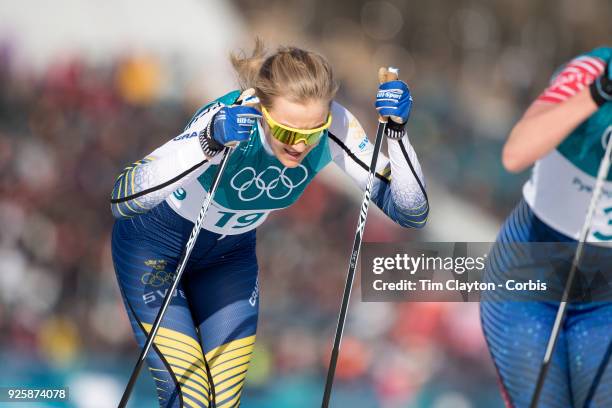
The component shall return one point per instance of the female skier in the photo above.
(294, 130)
(565, 133)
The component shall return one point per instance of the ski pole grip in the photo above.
(243, 99)
(386, 74)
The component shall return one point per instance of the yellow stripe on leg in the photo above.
(230, 403)
(175, 335)
(199, 377)
(212, 355)
(225, 387)
(227, 358)
(192, 403)
(194, 395)
(237, 390)
(196, 362)
(230, 373)
(161, 341)
(229, 365)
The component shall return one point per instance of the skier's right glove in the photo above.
(232, 124)
(601, 88)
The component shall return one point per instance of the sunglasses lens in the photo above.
(283, 135)
(313, 138)
(290, 138)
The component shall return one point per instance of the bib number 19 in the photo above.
(242, 221)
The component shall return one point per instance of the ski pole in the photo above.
(385, 75)
(179, 272)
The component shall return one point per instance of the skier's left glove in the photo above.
(601, 88)
(394, 101)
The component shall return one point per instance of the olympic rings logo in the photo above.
(157, 278)
(276, 183)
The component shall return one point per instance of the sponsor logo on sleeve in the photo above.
(185, 136)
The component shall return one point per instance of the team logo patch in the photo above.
(156, 264)
(158, 275)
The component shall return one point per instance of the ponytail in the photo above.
(247, 68)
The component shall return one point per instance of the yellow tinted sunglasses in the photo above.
(291, 136)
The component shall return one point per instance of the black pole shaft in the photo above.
(179, 272)
(604, 168)
(352, 266)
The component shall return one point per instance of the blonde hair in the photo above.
(290, 72)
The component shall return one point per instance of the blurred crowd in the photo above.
(67, 131)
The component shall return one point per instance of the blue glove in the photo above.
(394, 99)
(234, 124)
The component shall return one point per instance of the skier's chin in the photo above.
(290, 161)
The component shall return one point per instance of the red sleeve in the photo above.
(576, 75)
